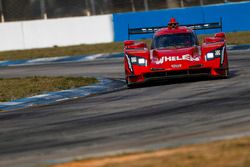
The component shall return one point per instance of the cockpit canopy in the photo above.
(176, 40)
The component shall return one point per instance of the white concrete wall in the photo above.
(11, 36)
(56, 32)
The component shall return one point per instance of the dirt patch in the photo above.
(228, 153)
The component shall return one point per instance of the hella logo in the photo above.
(176, 65)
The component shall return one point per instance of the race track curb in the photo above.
(62, 59)
(104, 85)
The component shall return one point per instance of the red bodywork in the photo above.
(208, 59)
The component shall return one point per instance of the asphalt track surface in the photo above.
(161, 115)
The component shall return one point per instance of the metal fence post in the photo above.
(1, 10)
(43, 9)
(92, 2)
(201, 2)
(86, 11)
(182, 3)
(146, 5)
(133, 5)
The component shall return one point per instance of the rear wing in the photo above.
(151, 30)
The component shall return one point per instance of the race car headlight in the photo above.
(139, 61)
(133, 59)
(217, 53)
(210, 56)
(142, 61)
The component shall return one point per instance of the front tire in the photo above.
(130, 85)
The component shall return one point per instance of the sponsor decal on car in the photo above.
(186, 57)
(176, 65)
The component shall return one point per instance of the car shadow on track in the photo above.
(161, 82)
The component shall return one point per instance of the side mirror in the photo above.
(220, 35)
(129, 42)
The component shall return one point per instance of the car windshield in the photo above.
(174, 41)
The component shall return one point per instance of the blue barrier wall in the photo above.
(235, 17)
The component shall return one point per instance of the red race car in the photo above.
(175, 52)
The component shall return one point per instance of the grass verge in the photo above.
(14, 88)
(62, 51)
(227, 153)
(232, 38)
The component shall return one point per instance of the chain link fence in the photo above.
(17, 10)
